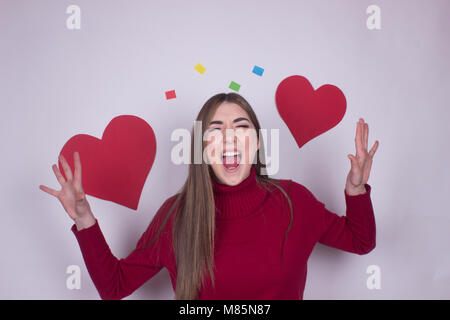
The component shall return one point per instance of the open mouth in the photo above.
(231, 161)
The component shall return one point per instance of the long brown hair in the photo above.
(194, 227)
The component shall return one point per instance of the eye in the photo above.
(243, 126)
(213, 129)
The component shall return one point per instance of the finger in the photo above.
(350, 157)
(77, 162)
(362, 135)
(366, 136)
(374, 149)
(358, 140)
(58, 175)
(66, 167)
(49, 190)
(353, 160)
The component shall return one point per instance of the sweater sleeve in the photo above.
(114, 278)
(355, 232)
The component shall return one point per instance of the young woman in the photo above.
(231, 232)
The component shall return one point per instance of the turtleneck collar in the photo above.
(240, 200)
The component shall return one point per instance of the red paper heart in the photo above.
(115, 168)
(306, 112)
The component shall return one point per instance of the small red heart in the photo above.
(115, 167)
(306, 112)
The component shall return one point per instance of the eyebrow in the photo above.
(234, 121)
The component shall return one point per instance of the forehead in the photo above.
(229, 111)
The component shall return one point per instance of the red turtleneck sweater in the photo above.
(250, 226)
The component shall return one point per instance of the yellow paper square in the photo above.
(201, 69)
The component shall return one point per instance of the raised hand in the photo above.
(362, 162)
(71, 195)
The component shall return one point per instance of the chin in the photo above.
(233, 177)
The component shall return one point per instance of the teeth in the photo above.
(231, 154)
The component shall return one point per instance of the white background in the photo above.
(56, 83)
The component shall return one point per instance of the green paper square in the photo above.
(234, 86)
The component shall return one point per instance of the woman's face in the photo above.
(231, 143)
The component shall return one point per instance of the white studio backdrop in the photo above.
(56, 82)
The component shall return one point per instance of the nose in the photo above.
(230, 136)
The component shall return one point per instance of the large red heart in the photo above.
(306, 112)
(115, 167)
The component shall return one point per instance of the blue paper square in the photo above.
(258, 70)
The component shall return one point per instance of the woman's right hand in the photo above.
(71, 195)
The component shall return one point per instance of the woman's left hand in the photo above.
(361, 164)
